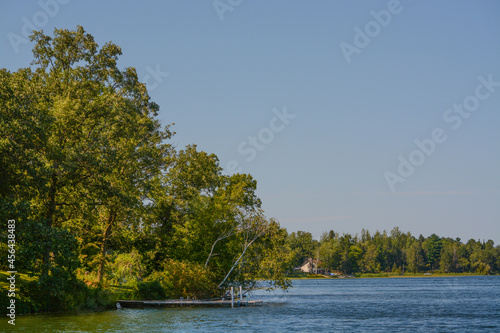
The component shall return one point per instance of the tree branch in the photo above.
(221, 237)
(260, 231)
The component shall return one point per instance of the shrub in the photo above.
(23, 305)
(54, 293)
(186, 279)
(98, 298)
(125, 268)
(149, 290)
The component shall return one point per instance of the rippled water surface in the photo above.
(452, 304)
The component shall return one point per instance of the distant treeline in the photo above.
(395, 252)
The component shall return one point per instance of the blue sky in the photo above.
(322, 102)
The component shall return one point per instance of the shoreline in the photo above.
(390, 276)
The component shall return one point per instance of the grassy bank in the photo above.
(85, 298)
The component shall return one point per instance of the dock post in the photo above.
(241, 297)
(232, 297)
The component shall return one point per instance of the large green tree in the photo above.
(95, 142)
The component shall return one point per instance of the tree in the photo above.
(368, 262)
(269, 260)
(415, 257)
(330, 252)
(23, 135)
(449, 255)
(92, 142)
(350, 254)
(302, 245)
(204, 217)
(432, 247)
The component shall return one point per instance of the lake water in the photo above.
(452, 304)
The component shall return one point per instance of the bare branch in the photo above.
(221, 237)
(249, 240)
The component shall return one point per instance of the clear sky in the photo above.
(350, 114)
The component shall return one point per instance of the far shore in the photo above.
(385, 275)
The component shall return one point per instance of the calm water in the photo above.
(454, 304)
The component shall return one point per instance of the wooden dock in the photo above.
(174, 303)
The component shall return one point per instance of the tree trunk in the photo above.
(104, 246)
(51, 209)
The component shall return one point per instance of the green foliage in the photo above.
(400, 253)
(125, 268)
(210, 220)
(95, 188)
(302, 246)
(185, 279)
(24, 305)
(268, 261)
(33, 240)
(149, 290)
(54, 293)
(432, 247)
